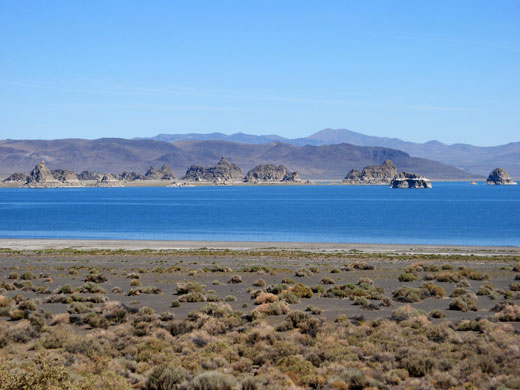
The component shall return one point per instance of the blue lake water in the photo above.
(449, 213)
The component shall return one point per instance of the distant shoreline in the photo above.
(160, 183)
(315, 247)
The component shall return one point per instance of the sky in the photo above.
(416, 70)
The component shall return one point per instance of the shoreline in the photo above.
(315, 247)
(160, 183)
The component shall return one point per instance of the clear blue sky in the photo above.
(417, 70)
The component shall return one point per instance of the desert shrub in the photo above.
(216, 310)
(266, 298)
(289, 297)
(230, 298)
(408, 294)
(418, 365)
(79, 308)
(16, 315)
(314, 269)
(327, 280)
(517, 277)
(288, 281)
(95, 277)
(301, 291)
(176, 303)
(448, 267)
(364, 266)
(28, 275)
(135, 283)
(464, 283)
(318, 289)
(115, 313)
(5, 301)
(507, 311)
(192, 297)
(189, 287)
(457, 292)
(66, 289)
(217, 283)
(299, 370)
(437, 314)
(335, 270)
(446, 277)
(213, 380)
(94, 320)
(277, 288)
(406, 312)
(212, 298)
(259, 283)
(464, 303)
(407, 277)
(235, 279)
(13, 275)
(515, 286)
(433, 289)
(42, 290)
(272, 309)
(355, 379)
(93, 288)
(314, 310)
(473, 275)
(165, 378)
(117, 290)
(218, 268)
(303, 272)
(133, 275)
(41, 376)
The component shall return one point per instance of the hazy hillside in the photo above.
(480, 160)
(116, 155)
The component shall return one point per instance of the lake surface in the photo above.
(449, 213)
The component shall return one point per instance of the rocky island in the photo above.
(222, 173)
(373, 174)
(42, 177)
(410, 180)
(499, 176)
(270, 173)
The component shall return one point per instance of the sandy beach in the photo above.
(135, 245)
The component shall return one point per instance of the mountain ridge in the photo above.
(116, 155)
(476, 159)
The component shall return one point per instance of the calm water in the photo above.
(450, 213)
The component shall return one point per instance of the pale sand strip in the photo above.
(45, 244)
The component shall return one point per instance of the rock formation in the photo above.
(20, 178)
(269, 173)
(41, 177)
(165, 173)
(374, 174)
(130, 176)
(222, 173)
(109, 180)
(499, 176)
(89, 175)
(410, 180)
(68, 178)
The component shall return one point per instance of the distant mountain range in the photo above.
(475, 159)
(116, 155)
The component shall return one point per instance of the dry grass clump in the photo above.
(235, 279)
(327, 280)
(408, 294)
(465, 302)
(515, 286)
(407, 277)
(507, 311)
(303, 272)
(259, 283)
(266, 298)
(443, 276)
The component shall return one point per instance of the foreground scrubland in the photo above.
(207, 320)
